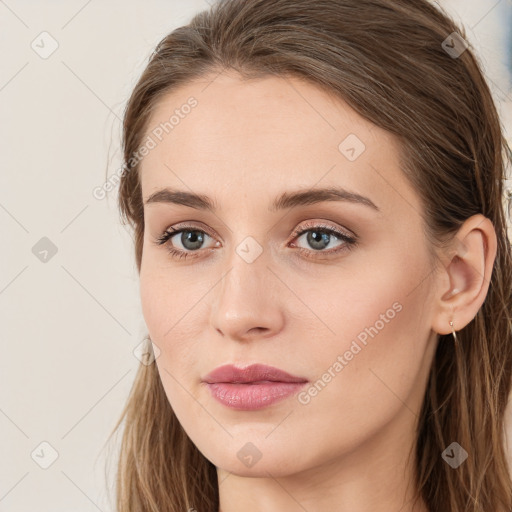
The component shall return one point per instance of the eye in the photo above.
(191, 240)
(319, 237)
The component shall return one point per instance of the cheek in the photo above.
(173, 312)
(162, 295)
(368, 369)
(172, 315)
(154, 301)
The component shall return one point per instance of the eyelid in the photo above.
(322, 225)
(176, 228)
(197, 226)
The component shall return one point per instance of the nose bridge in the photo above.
(245, 299)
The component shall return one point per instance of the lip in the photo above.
(252, 373)
(252, 387)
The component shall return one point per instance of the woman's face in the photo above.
(350, 314)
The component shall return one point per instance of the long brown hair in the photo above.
(390, 60)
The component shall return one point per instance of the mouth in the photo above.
(253, 387)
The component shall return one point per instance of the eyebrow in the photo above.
(282, 202)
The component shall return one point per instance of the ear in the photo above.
(464, 279)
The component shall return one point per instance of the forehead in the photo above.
(262, 137)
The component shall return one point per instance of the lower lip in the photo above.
(249, 397)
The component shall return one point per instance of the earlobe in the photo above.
(464, 281)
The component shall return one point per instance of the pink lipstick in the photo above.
(253, 387)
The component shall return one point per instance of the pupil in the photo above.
(316, 239)
(193, 237)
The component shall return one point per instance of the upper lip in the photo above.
(251, 373)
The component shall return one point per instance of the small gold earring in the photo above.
(453, 333)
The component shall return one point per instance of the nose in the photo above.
(247, 302)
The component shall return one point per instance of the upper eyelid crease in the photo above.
(284, 201)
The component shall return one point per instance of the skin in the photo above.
(244, 144)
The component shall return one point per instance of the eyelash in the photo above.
(349, 241)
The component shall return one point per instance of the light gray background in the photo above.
(69, 325)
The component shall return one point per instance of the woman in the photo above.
(316, 192)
